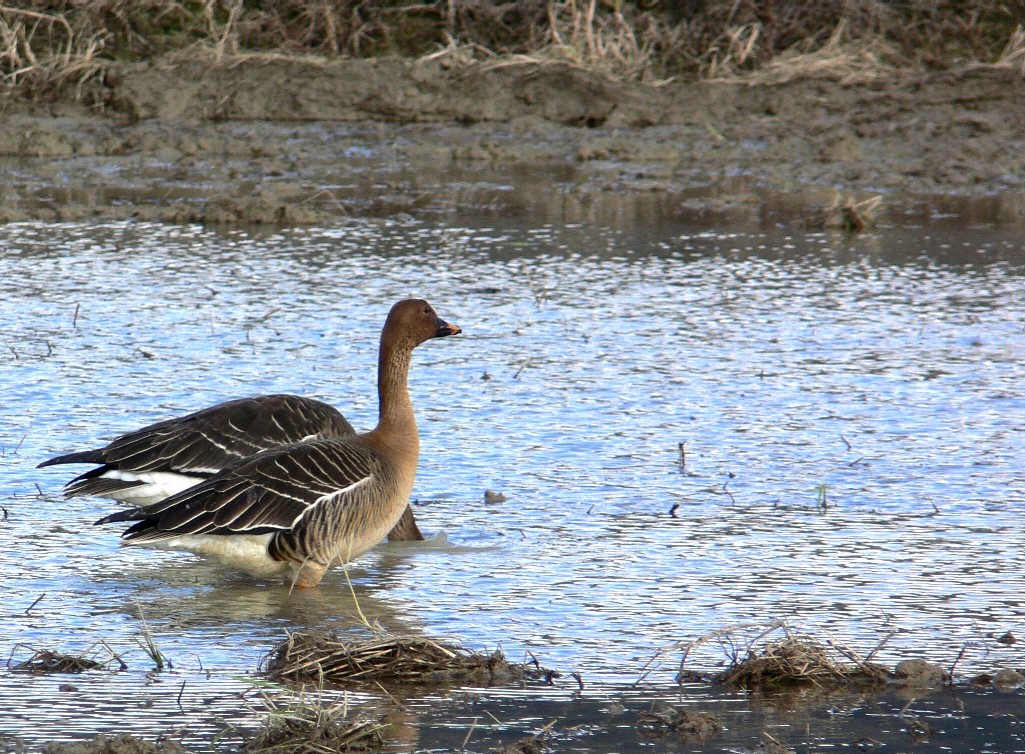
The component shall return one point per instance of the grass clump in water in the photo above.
(47, 662)
(321, 657)
(791, 660)
(310, 727)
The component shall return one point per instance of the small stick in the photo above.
(38, 599)
(74, 320)
(468, 734)
(180, 692)
(732, 499)
(849, 446)
(950, 678)
(683, 455)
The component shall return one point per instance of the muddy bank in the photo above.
(286, 142)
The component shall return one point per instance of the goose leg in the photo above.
(307, 575)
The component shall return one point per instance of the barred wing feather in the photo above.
(272, 491)
(213, 439)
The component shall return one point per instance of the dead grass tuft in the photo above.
(47, 662)
(323, 657)
(43, 52)
(844, 213)
(305, 727)
(791, 660)
(847, 62)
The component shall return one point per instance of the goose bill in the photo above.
(444, 328)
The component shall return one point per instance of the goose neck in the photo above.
(396, 407)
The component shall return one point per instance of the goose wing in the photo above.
(272, 491)
(207, 441)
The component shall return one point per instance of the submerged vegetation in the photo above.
(53, 44)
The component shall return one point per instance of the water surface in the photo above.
(881, 376)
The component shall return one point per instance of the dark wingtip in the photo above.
(83, 456)
(113, 518)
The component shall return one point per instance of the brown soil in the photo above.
(288, 142)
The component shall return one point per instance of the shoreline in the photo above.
(287, 143)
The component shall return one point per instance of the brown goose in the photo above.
(302, 507)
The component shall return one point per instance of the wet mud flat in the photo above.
(293, 143)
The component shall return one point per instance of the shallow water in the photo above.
(883, 372)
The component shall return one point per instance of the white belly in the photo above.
(246, 552)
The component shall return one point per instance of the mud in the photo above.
(285, 142)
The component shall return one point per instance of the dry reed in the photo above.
(46, 662)
(791, 660)
(304, 727)
(51, 45)
(323, 657)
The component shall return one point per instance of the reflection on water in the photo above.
(882, 375)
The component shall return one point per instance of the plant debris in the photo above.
(324, 657)
(46, 662)
(792, 660)
(303, 728)
(687, 724)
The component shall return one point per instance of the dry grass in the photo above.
(322, 657)
(844, 213)
(46, 662)
(847, 62)
(48, 45)
(311, 727)
(791, 659)
(42, 52)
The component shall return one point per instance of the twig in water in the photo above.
(880, 645)
(38, 600)
(74, 320)
(849, 446)
(683, 455)
(522, 367)
(179, 700)
(469, 733)
(732, 499)
(950, 673)
(147, 643)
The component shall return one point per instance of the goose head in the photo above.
(414, 321)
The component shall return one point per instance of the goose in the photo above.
(296, 508)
